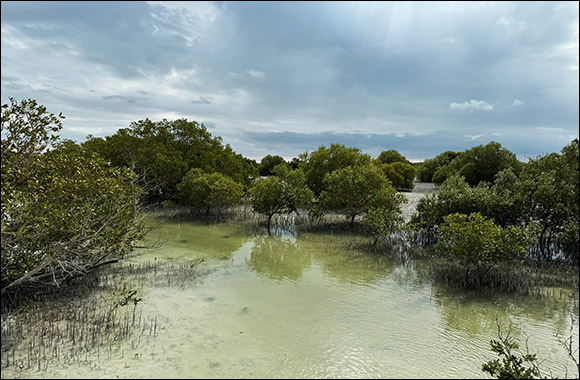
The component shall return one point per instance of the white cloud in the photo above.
(518, 102)
(206, 10)
(502, 21)
(479, 105)
(248, 73)
(256, 73)
(177, 76)
(473, 137)
(196, 16)
(552, 130)
(563, 134)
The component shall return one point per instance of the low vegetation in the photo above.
(515, 364)
(479, 244)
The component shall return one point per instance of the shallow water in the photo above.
(312, 306)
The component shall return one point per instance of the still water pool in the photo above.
(315, 306)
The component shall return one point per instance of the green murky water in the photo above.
(310, 307)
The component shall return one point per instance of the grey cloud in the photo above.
(414, 147)
(13, 83)
(123, 98)
(126, 36)
(447, 52)
(201, 100)
(377, 68)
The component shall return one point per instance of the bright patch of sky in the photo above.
(286, 77)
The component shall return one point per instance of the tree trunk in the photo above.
(269, 220)
(548, 247)
(352, 221)
(542, 242)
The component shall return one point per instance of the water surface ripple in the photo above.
(308, 307)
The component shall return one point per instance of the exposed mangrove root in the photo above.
(87, 322)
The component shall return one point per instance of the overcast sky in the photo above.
(286, 77)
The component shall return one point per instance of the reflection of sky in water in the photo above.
(311, 305)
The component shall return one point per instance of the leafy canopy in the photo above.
(391, 156)
(400, 174)
(268, 163)
(165, 151)
(65, 211)
(280, 194)
(206, 191)
(355, 189)
(324, 161)
(478, 242)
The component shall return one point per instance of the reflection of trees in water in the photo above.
(344, 257)
(337, 256)
(475, 312)
(278, 259)
(196, 240)
(353, 265)
(404, 273)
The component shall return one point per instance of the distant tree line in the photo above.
(180, 162)
(478, 164)
(486, 189)
(164, 152)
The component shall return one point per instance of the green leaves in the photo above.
(384, 216)
(391, 156)
(400, 174)
(164, 152)
(542, 196)
(549, 187)
(324, 161)
(280, 194)
(483, 162)
(270, 196)
(355, 189)
(268, 163)
(27, 130)
(477, 241)
(205, 191)
(428, 167)
(61, 206)
(478, 164)
(126, 296)
(513, 365)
